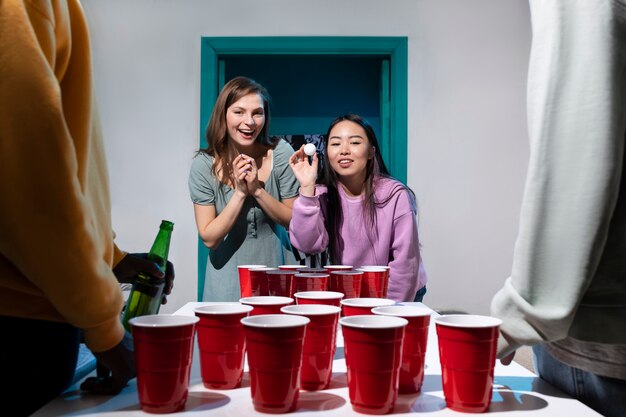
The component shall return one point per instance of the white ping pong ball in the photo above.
(309, 149)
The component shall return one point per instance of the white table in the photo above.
(515, 389)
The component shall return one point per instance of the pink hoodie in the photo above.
(394, 240)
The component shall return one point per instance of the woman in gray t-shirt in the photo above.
(242, 188)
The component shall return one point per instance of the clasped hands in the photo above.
(246, 175)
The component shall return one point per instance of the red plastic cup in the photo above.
(222, 344)
(386, 276)
(281, 282)
(332, 268)
(346, 282)
(375, 281)
(244, 279)
(275, 343)
(373, 348)
(362, 306)
(293, 267)
(467, 352)
(320, 342)
(258, 281)
(266, 304)
(163, 353)
(414, 346)
(319, 297)
(311, 282)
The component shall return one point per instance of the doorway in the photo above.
(312, 80)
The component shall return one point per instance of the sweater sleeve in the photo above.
(404, 252)
(307, 230)
(118, 255)
(54, 173)
(201, 181)
(576, 131)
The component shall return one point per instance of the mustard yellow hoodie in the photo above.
(56, 239)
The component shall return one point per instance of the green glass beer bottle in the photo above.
(147, 292)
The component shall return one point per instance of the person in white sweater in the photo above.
(567, 292)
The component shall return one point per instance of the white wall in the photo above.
(467, 134)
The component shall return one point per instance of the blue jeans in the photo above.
(420, 295)
(605, 395)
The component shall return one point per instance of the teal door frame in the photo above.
(394, 48)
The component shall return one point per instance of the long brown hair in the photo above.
(375, 169)
(217, 130)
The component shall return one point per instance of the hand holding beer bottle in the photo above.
(147, 292)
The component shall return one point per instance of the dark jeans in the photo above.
(420, 295)
(605, 395)
(37, 363)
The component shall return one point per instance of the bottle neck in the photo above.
(160, 248)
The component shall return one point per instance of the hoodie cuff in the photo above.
(105, 336)
(118, 255)
(506, 345)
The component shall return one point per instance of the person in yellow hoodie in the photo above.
(58, 261)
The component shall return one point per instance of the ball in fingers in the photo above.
(309, 149)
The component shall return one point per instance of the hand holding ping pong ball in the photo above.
(309, 149)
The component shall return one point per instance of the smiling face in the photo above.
(348, 152)
(245, 119)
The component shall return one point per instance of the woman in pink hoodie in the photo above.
(358, 213)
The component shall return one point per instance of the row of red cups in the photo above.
(384, 351)
(286, 280)
(279, 349)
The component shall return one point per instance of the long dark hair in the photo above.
(375, 170)
(217, 130)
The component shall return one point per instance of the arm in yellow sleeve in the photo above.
(55, 210)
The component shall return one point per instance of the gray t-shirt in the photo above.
(254, 238)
